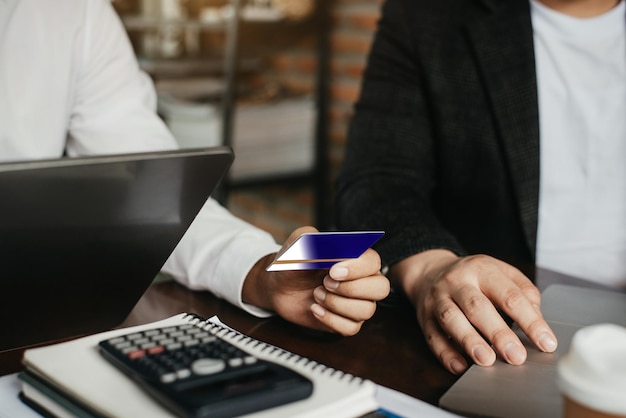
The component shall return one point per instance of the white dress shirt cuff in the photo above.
(216, 254)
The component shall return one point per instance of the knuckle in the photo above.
(447, 314)
(513, 298)
(442, 357)
(451, 277)
(331, 302)
(446, 355)
(467, 268)
(480, 265)
(430, 339)
(297, 232)
(446, 284)
(330, 321)
(351, 328)
(467, 341)
(384, 290)
(434, 343)
(473, 305)
(499, 334)
(347, 288)
(376, 258)
(477, 261)
(364, 310)
(532, 293)
(369, 310)
(532, 290)
(535, 326)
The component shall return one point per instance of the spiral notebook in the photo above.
(72, 379)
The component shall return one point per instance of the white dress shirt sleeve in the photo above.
(217, 252)
(114, 104)
(111, 109)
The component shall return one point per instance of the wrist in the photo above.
(412, 272)
(258, 286)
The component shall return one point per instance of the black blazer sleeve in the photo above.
(426, 160)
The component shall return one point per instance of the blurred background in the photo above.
(274, 79)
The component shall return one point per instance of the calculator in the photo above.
(195, 373)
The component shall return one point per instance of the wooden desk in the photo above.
(390, 349)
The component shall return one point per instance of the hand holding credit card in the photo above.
(321, 250)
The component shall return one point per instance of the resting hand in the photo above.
(457, 300)
(338, 300)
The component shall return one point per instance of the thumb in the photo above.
(295, 235)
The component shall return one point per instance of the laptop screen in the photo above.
(81, 239)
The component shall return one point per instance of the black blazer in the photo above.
(443, 149)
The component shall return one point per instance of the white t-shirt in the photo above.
(581, 72)
(69, 82)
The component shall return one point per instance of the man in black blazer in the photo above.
(443, 154)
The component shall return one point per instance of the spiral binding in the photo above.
(276, 352)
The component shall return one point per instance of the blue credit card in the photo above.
(320, 250)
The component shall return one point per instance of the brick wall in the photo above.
(281, 207)
(354, 23)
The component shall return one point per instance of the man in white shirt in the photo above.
(70, 84)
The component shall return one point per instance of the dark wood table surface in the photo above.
(390, 350)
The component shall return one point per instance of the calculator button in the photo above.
(156, 350)
(235, 362)
(174, 346)
(168, 377)
(191, 343)
(136, 354)
(208, 366)
(122, 345)
(146, 346)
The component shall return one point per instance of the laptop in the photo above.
(81, 239)
(530, 390)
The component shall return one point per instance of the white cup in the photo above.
(592, 375)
